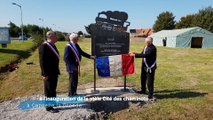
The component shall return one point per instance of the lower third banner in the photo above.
(115, 65)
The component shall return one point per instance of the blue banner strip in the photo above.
(33, 104)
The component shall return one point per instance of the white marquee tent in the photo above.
(194, 37)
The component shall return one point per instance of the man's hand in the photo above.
(45, 78)
(92, 57)
(132, 54)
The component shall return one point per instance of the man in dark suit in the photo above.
(72, 58)
(148, 67)
(49, 63)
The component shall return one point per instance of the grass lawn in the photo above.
(14, 51)
(183, 85)
(183, 82)
(27, 78)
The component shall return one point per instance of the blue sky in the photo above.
(73, 15)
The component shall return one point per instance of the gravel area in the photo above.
(90, 110)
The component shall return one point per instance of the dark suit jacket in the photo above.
(150, 55)
(49, 62)
(70, 59)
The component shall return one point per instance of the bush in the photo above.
(60, 36)
(38, 39)
(87, 36)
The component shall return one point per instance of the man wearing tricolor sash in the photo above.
(148, 67)
(49, 63)
(72, 58)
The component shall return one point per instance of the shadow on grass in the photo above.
(181, 94)
(21, 53)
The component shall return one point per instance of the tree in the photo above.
(88, 29)
(204, 19)
(14, 30)
(185, 22)
(165, 21)
(34, 29)
(39, 36)
(60, 36)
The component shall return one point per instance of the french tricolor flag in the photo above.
(116, 65)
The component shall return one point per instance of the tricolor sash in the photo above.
(149, 69)
(76, 56)
(75, 52)
(52, 49)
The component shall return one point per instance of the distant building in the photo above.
(141, 32)
(194, 37)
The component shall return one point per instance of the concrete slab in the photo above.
(109, 91)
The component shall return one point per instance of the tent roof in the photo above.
(172, 33)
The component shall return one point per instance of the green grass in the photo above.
(183, 85)
(183, 82)
(15, 51)
(28, 80)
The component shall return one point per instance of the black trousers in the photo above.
(73, 83)
(149, 77)
(50, 86)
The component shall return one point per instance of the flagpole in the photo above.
(94, 76)
(125, 83)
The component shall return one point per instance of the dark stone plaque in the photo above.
(109, 36)
(110, 43)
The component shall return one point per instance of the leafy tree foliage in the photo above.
(34, 31)
(203, 19)
(88, 29)
(14, 30)
(60, 36)
(185, 22)
(165, 21)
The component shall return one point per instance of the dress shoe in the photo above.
(52, 110)
(151, 98)
(48, 108)
(141, 92)
(74, 94)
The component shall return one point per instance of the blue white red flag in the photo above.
(116, 65)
